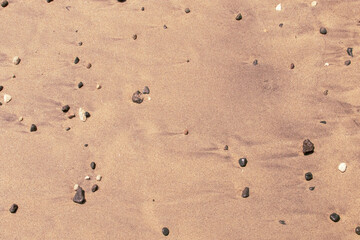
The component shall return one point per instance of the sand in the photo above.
(154, 176)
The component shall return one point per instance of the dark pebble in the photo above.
(281, 25)
(226, 147)
(142, 9)
(243, 162)
(186, 132)
(245, 192)
(323, 122)
(87, 114)
(323, 30)
(80, 85)
(77, 60)
(93, 165)
(49, 1)
(282, 222)
(308, 176)
(80, 43)
(347, 62)
(238, 17)
(187, 10)
(357, 230)
(4, 3)
(146, 90)
(94, 188)
(1, 88)
(292, 66)
(86, 145)
(165, 231)
(13, 208)
(67, 129)
(134, 37)
(121, 0)
(33, 128)
(188, 60)
(65, 108)
(88, 66)
(349, 51)
(311, 188)
(255, 62)
(308, 147)
(326, 92)
(334, 217)
(165, 27)
(137, 97)
(79, 196)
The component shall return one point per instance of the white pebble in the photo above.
(98, 86)
(342, 167)
(278, 7)
(87, 178)
(98, 177)
(82, 115)
(76, 186)
(20, 119)
(313, 3)
(7, 98)
(16, 60)
(149, 98)
(326, 64)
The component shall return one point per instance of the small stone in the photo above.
(243, 162)
(77, 60)
(326, 64)
(308, 176)
(98, 178)
(134, 36)
(311, 188)
(80, 84)
(165, 231)
(87, 178)
(186, 132)
(282, 222)
(137, 97)
(326, 92)
(146, 90)
(342, 167)
(165, 27)
(82, 114)
(71, 115)
(20, 119)
(80, 43)
(76, 186)
(188, 60)
(334, 217)
(255, 62)
(94, 188)
(187, 10)
(308, 147)
(281, 25)
(98, 86)
(68, 129)
(79, 196)
(4, 3)
(16, 60)
(142, 9)
(14, 76)
(278, 7)
(49, 1)
(93, 165)
(323, 122)
(313, 3)
(7, 98)
(86, 145)
(1, 88)
(323, 30)
(226, 147)
(121, 1)
(33, 128)
(349, 51)
(65, 108)
(13, 208)
(292, 66)
(238, 17)
(357, 230)
(87, 114)
(347, 62)
(245, 192)
(88, 66)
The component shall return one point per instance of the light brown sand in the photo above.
(262, 112)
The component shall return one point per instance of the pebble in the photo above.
(278, 7)
(226, 147)
(98, 178)
(311, 188)
(88, 66)
(94, 188)
(347, 62)
(292, 66)
(14, 76)
(342, 167)
(282, 222)
(1, 88)
(323, 122)
(308, 176)
(80, 84)
(134, 36)
(326, 92)
(71, 115)
(349, 52)
(281, 25)
(20, 119)
(245, 192)
(33, 128)
(49, 1)
(68, 129)
(93, 165)
(77, 60)
(87, 114)
(7, 98)
(87, 178)
(80, 43)
(86, 145)
(326, 64)
(243, 162)
(13, 208)
(121, 0)
(4, 3)
(137, 97)
(142, 9)
(313, 3)
(334, 217)
(165, 231)
(238, 17)
(79, 196)
(357, 230)
(323, 30)
(187, 10)
(186, 132)
(16, 60)
(98, 86)
(76, 186)
(255, 62)
(308, 147)
(165, 27)
(65, 108)
(146, 90)
(82, 115)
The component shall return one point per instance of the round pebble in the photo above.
(281, 25)
(68, 129)
(80, 84)
(357, 230)
(323, 122)
(33, 128)
(238, 17)
(142, 9)
(334, 217)
(308, 176)
(342, 167)
(98, 177)
(77, 60)
(87, 178)
(187, 10)
(94, 188)
(88, 66)
(4, 3)
(313, 3)
(87, 114)
(93, 165)
(65, 108)
(292, 66)
(134, 36)
(323, 30)
(13, 208)
(347, 62)
(186, 132)
(86, 145)
(243, 162)
(165, 231)
(311, 188)
(76, 186)
(16, 60)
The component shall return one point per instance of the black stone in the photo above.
(292, 66)
(282, 222)
(281, 25)
(93, 165)
(80, 85)
(238, 17)
(33, 128)
(245, 192)
(349, 51)
(243, 162)
(226, 147)
(165, 231)
(80, 43)
(13, 208)
(49, 1)
(146, 90)
(137, 97)
(79, 196)
(311, 188)
(65, 108)
(121, 0)
(1, 88)
(347, 62)
(77, 60)
(94, 188)
(86, 145)
(357, 230)
(134, 36)
(308, 176)
(323, 122)
(187, 10)
(323, 30)
(67, 129)
(4, 3)
(308, 147)
(334, 217)
(142, 9)
(255, 62)
(87, 114)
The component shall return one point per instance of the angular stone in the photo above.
(146, 90)
(13, 208)
(282, 222)
(308, 176)
(308, 147)
(334, 217)
(77, 60)
(80, 85)
(71, 115)
(349, 52)
(245, 192)
(7, 98)
(1, 88)
(238, 17)
(4, 3)
(313, 3)
(243, 162)
(347, 62)
(82, 114)
(186, 132)
(76, 186)
(98, 178)
(33, 128)
(323, 122)
(255, 62)
(278, 7)
(94, 188)
(79, 196)
(87, 178)
(65, 108)
(342, 167)
(137, 97)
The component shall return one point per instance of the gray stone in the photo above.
(79, 196)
